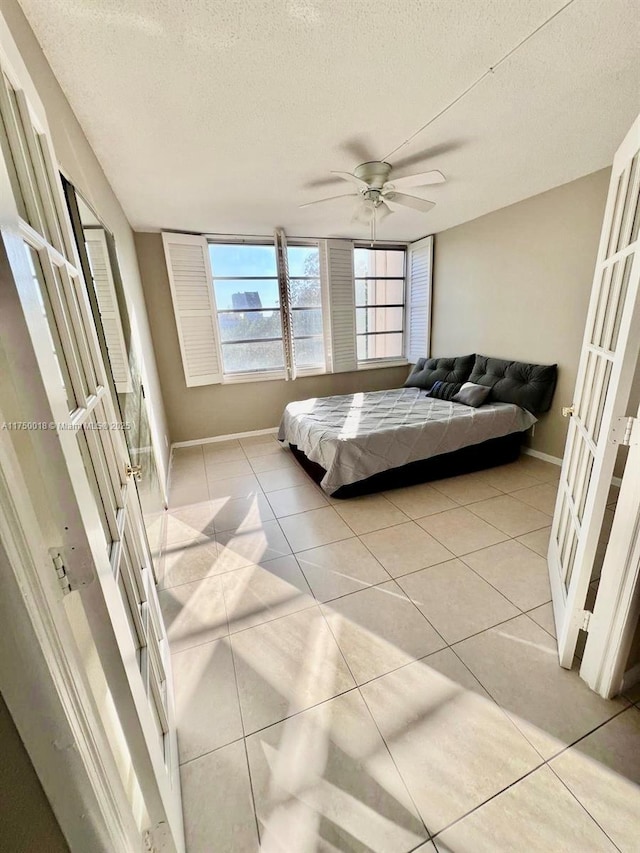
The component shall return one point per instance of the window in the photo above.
(273, 309)
(249, 310)
(245, 283)
(306, 306)
(379, 297)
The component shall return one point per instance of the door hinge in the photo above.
(625, 431)
(586, 619)
(61, 572)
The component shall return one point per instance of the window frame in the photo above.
(248, 375)
(277, 373)
(390, 361)
(314, 370)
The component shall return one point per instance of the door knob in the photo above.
(134, 471)
(567, 411)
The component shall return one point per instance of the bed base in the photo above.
(474, 457)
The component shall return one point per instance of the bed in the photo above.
(358, 443)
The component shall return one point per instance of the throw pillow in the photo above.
(472, 395)
(444, 390)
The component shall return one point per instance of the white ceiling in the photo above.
(223, 116)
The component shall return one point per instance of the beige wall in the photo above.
(79, 164)
(212, 410)
(26, 820)
(516, 284)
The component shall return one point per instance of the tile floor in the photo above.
(380, 674)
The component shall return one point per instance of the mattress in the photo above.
(355, 436)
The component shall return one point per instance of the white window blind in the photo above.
(193, 303)
(285, 301)
(419, 299)
(338, 261)
(98, 253)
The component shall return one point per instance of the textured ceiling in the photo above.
(226, 115)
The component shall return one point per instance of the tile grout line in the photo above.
(511, 715)
(582, 805)
(320, 604)
(357, 688)
(244, 732)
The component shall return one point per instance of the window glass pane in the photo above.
(305, 292)
(261, 355)
(310, 352)
(307, 322)
(303, 261)
(379, 320)
(379, 346)
(379, 262)
(239, 259)
(237, 295)
(239, 326)
(379, 291)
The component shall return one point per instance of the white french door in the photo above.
(615, 615)
(597, 425)
(107, 558)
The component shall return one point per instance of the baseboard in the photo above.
(230, 437)
(554, 460)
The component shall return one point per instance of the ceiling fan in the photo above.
(378, 193)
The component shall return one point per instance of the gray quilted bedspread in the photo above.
(357, 435)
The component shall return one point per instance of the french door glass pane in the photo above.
(54, 337)
(379, 319)
(310, 352)
(13, 174)
(249, 326)
(256, 355)
(38, 221)
(379, 346)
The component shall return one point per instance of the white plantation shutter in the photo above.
(338, 262)
(96, 242)
(419, 299)
(194, 306)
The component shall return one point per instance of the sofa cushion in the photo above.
(427, 371)
(530, 386)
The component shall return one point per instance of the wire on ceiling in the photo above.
(479, 80)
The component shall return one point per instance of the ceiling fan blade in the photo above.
(330, 198)
(347, 176)
(423, 179)
(382, 211)
(362, 212)
(412, 201)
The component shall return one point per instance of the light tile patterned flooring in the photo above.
(380, 674)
